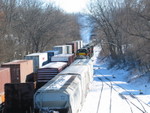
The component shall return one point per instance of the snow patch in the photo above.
(136, 91)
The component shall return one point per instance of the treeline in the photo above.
(28, 26)
(123, 29)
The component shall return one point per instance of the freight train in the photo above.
(38, 74)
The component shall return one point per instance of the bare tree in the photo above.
(105, 18)
(29, 26)
(124, 29)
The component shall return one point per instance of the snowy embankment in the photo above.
(110, 91)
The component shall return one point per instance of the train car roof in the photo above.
(54, 65)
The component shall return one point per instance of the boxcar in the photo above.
(48, 72)
(19, 97)
(19, 69)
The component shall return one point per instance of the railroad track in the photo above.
(100, 96)
(130, 100)
(122, 97)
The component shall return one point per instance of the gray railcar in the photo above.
(66, 92)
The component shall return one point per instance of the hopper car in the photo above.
(67, 91)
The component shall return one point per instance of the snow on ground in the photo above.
(110, 91)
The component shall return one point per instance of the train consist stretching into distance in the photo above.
(55, 81)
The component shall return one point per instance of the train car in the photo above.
(67, 91)
(77, 44)
(19, 97)
(19, 69)
(83, 67)
(51, 53)
(62, 93)
(73, 44)
(4, 78)
(85, 52)
(61, 49)
(48, 72)
(80, 43)
(69, 58)
(69, 49)
(38, 60)
(82, 53)
(85, 62)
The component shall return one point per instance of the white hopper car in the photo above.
(66, 92)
